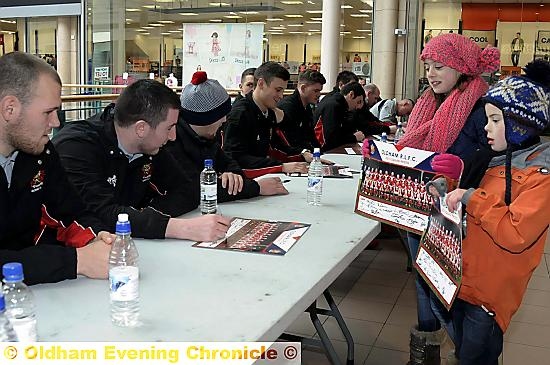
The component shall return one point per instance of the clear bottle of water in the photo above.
(124, 276)
(209, 188)
(315, 179)
(7, 334)
(19, 302)
(399, 133)
(384, 137)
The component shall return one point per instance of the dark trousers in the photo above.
(478, 336)
(515, 58)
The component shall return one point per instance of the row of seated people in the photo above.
(141, 156)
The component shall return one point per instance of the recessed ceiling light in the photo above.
(130, 10)
(141, 30)
(215, 20)
(346, 32)
(188, 14)
(146, 33)
(129, 20)
(165, 33)
(148, 27)
(149, 6)
(346, 7)
(274, 19)
(248, 12)
(368, 22)
(313, 22)
(219, 4)
(295, 25)
(294, 15)
(317, 19)
(314, 30)
(232, 16)
(360, 15)
(368, 11)
(315, 11)
(286, 2)
(166, 21)
(359, 37)
(362, 30)
(311, 2)
(156, 25)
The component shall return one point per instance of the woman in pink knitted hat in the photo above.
(447, 118)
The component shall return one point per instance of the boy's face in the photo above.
(495, 128)
(311, 92)
(246, 84)
(354, 102)
(271, 94)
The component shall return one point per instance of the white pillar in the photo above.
(21, 32)
(64, 49)
(330, 42)
(384, 46)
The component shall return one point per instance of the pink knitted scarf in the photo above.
(435, 129)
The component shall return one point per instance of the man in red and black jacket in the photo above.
(43, 222)
(251, 136)
(333, 127)
(118, 164)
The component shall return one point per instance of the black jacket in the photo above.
(366, 122)
(190, 151)
(151, 189)
(333, 127)
(297, 124)
(248, 139)
(42, 218)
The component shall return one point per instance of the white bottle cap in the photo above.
(123, 217)
(171, 75)
(125, 75)
(151, 76)
(316, 149)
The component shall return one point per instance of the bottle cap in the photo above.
(13, 271)
(123, 224)
(316, 152)
(208, 163)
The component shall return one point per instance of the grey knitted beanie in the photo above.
(204, 101)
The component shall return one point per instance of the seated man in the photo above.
(251, 124)
(297, 124)
(117, 163)
(43, 222)
(343, 78)
(364, 120)
(333, 127)
(204, 106)
(247, 83)
(388, 110)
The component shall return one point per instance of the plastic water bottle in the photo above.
(124, 276)
(384, 137)
(315, 179)
(399, 133)
(209, 189)
(7, 334)
(19, 302)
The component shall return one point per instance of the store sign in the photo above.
(481, 37)
(543, 41)
(101, 73)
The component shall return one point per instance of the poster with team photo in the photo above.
(224, 51)
(439, 258)
(260, 236)
(392, 188)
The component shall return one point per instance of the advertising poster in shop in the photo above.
(392, 188)
(224, 51)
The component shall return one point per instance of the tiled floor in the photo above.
(377, 298)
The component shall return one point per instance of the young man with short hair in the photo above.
(247, 83)
(333, 127)
(297, 124)
(43, 222)
(117, 163)
(343, 78)
(251, 124)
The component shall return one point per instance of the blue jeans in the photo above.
(478, 336)
(431, 313)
